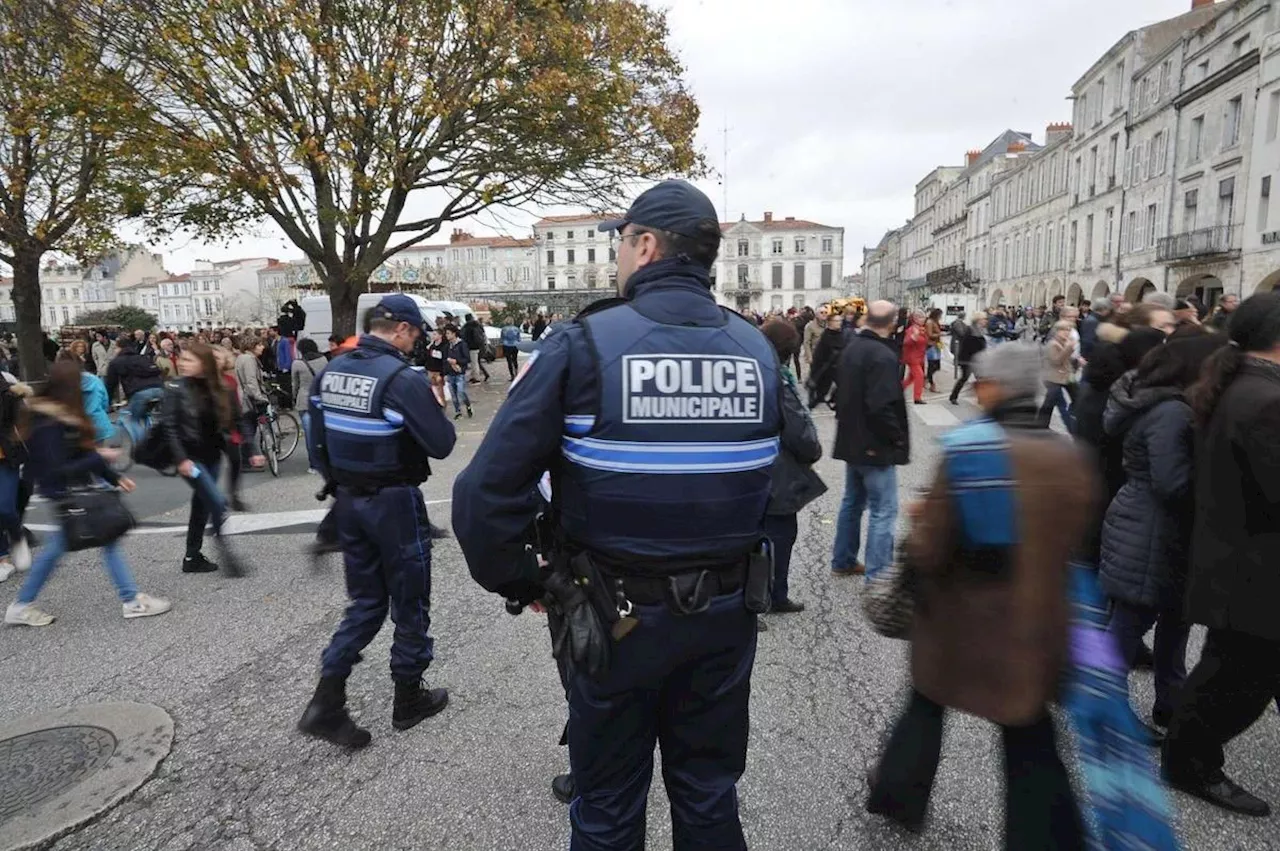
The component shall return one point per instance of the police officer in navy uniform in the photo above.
(375, 422)
(658, 416)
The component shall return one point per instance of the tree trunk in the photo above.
(344, 295)
(26, 308)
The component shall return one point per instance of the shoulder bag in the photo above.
(92, 517)
(889, 599)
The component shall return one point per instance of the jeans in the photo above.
(1129, 623)
(866, 487)
(138, 404)
(206, 501)
(54, 548)
(781, 530)
(306, 436)
(511, 353)
(1056, 396)
(458, 387)
(10, 516)
(1040, 809)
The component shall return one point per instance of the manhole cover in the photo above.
(37, 766)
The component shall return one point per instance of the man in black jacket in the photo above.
(141, 379)
(872, 438)
(473, 335)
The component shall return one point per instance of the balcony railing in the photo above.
(1196, 243)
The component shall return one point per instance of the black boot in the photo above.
(198, 564)
(414, 704)
(563, 787)
(326, 716)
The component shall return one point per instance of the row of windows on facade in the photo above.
(569, 235)
(797, 276)
(571, 256)
(591, 277)
(1143, 161)
(751, 248)
(1144, 228)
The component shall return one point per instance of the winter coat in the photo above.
(871, 412)
(914, 342)
(794, 482)
(13, 450)
(1088, 335)
(458, 352)
(133, 372)
(473, 335)
(812, 333)
(58, 460)
(969, 346)
(97, 405)
(1146, 534)
(989, 631)
(1057, 362)
(249, 375)
(102, 355)
(302, 372)
(168, 366)
(189, 424)
(510, 336)
(1235, 573)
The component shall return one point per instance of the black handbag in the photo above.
(93, 517)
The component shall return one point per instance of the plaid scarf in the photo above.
(1131, 811)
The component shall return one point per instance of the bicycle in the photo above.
(278, 433)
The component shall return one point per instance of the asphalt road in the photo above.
(236, 660)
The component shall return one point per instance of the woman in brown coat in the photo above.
(933, 354)
(989, 548)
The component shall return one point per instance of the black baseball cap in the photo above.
(676, 206)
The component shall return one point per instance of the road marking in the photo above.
(933, 415)
(240, 524)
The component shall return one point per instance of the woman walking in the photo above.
(196, 416)
(253, 396)
(303, 372)
(239, 435)
(933, 354)
(914, 342)
(794, 484)
(1234, 586)
(1058, 370)
(63, 456)
(97, 406)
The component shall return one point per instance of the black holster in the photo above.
(757, 591)
(580, 636)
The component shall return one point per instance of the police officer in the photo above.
(375, 424)
(658, 416)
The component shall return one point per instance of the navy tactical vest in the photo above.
(366, 442)
(675, 460)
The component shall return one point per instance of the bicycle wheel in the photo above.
(121, 440)
(287, 428)
(267, 446)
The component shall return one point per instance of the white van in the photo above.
(320, 315)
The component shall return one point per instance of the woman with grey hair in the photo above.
(988, 549)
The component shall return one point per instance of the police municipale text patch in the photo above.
(680, 388)
(342, 391)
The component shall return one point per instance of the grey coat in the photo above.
(1146, 535)
(302, 372)
(795, 484)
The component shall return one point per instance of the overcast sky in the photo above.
(836, 108)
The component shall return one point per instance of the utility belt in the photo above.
(590, 600)
(373, 488)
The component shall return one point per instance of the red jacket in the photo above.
(914, 344)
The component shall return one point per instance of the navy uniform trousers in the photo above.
(386, 550)
(684, 683)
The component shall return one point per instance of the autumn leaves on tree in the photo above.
(359, 127)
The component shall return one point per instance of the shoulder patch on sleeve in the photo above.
(528, 365)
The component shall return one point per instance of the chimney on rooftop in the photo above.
(972, 157)
(768, 217)
(1056, 131)
(1017, 147)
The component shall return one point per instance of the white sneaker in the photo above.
(6, 569)
(19, 614)
(20, 553)
(143, 606)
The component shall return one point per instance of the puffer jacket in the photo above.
(1146, 535)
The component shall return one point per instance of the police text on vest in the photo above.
(691, 389)
(342, 391)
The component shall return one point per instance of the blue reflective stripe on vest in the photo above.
(670, 458)
(579, 424)
(362, 436)
(358, 425)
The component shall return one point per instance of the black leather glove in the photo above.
(576, 629)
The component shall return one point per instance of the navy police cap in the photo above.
(675, 206)
(399, 307)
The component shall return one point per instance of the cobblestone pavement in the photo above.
(235, 662)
